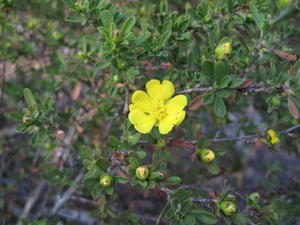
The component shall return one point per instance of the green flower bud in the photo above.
(275, 101)
(223, 50)
(27, 119)
(254, 197)
(116, 36)
(283, 3)
(206, 155)
(228, 207)
(105, 181)
(142, 173)
(161, 143)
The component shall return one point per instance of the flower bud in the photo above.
(283, 3)
(142, 173)
(272, 137)
(254, 197)
(223, 50)
(105, 181)
(161, 143)
(228, 207)
(206, 155)
(27, 119)
(116, 36)
(275, 101)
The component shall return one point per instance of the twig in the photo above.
(290, 129)
(193, 90)
(125, 109)
(32, 200)
(236, 138)
(67, 194)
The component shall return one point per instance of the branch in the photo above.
(66, 196)
(32, 200)
(193, 90)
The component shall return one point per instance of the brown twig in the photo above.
(32, 200)
(66, 195)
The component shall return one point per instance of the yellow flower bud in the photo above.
(105, 181)
(223, 50)
(272, 137)
(206, 155)
(228, 207)
(142, 173)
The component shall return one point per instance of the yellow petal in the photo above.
(172, 119)
(160, 91)
(141, 100)
(177, 103)
(142, 122)
(165, 125)
(181, 118)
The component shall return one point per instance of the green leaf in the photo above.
(285, 13)
(163, 6)
(258, 18)
(208, 98)
(207, 69)
(102, 65)
(69, 3)
(134, 162)
(14, 116)
(204, 216)
(120, 180)
(219, 72)
(155, 175)
(182, 194)
(106, 18)
(239, 219)
(189, 220)
(230, 4)
(142, 38)
(109, 190)
(103, 164)
(236, 82)
(141, 154)
(128, 25)
(225, 81)
(74, 19)
(29, 98)
(173, 180)
(163, 39)
(213, 169)
(21, 127)
(219, 107)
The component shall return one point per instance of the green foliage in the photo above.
(69, 70)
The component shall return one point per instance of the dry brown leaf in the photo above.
(76, 91)
(294, 111)
(196, 103)
(285, 55)
(245, 84)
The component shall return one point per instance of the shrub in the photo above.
(150, 112)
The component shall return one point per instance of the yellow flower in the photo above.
(156, 107)
(272, 137)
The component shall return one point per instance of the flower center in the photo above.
(160, 112)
